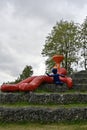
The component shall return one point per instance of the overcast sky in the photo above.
(24, 26)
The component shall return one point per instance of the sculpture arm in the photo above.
(49, 75)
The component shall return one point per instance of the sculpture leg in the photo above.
(35, 83)
(15, 87)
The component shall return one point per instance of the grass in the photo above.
(49, 105)
(41, 91)
(37, 126)
(69, 91)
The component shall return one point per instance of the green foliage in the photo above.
(84, 33)
(84, 38)
(64, 39)
(27, 72)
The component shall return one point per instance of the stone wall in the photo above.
(42, 115)
(46, 98)
(78, 85)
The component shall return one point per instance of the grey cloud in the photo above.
(79, 3)
(48, 11)
(45, 7)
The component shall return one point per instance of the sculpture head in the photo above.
(54, 70)
(58, 59)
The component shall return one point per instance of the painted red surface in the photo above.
(32, 83)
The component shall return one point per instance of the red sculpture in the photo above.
(32, 83)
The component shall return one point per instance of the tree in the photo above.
(63, 39)
(84, 38)
(27, 72)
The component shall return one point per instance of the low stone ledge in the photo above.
(42, 115)
(64, 88)
(81, 74)
(53, 87)
(46, 98)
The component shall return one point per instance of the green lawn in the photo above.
(35, 126)
(49, 105)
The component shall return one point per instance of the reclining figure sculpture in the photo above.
(33, 82)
